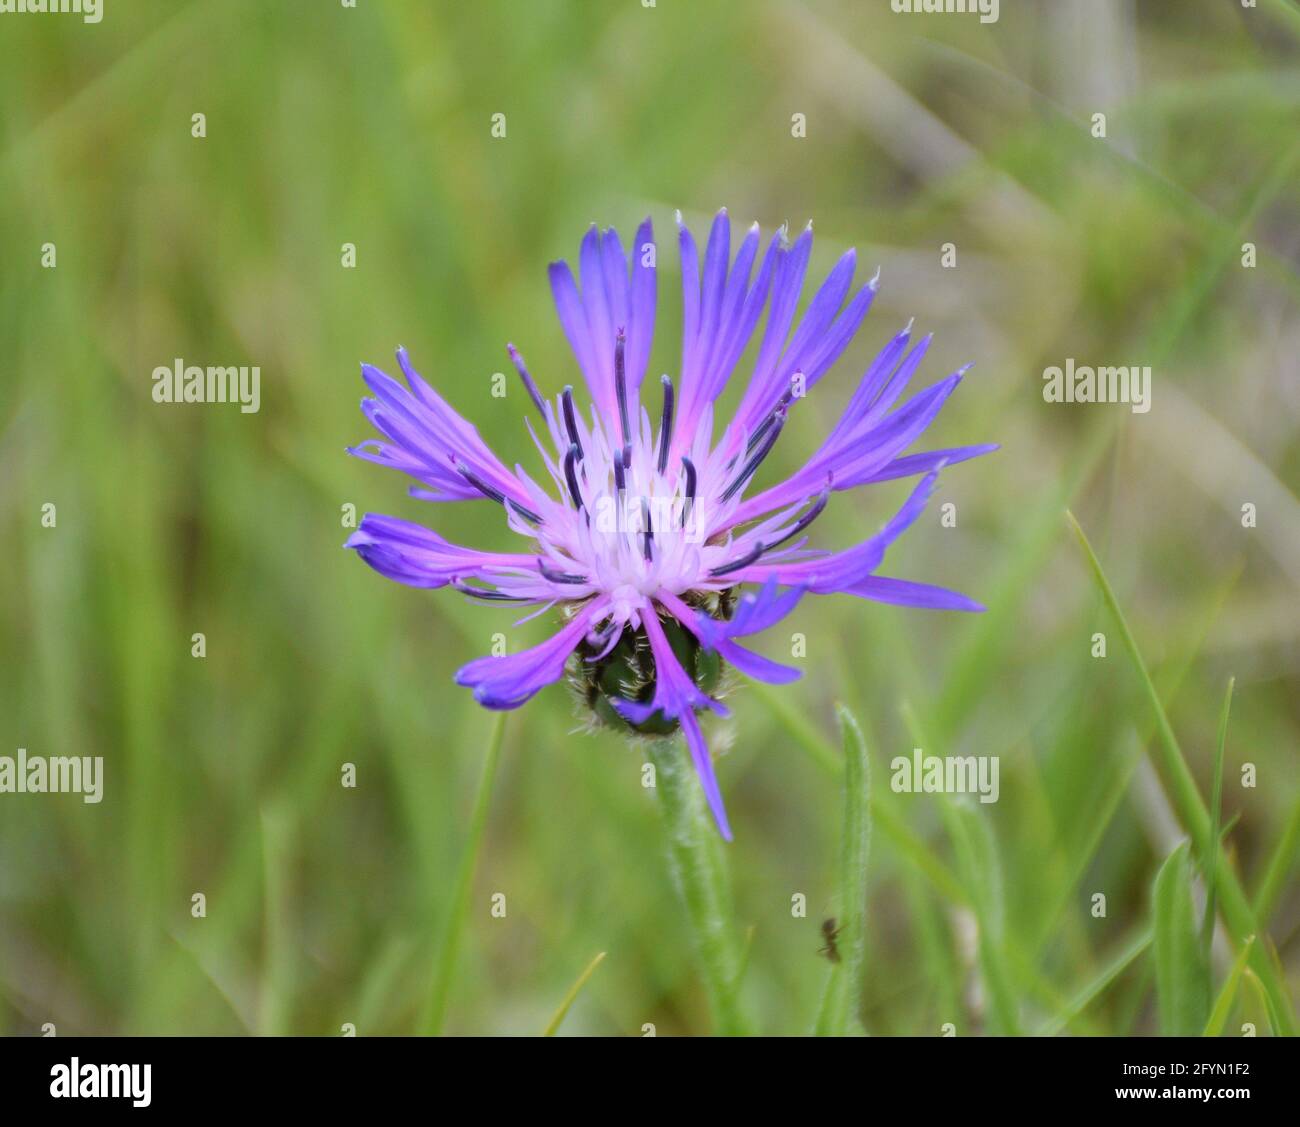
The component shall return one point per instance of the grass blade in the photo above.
(553, 1025)
(445, 966)
(1190, 809)
(1084, 998)
(1228, 995)
(1182, 972)
(1210, 862)
(1278, 869)
(1265, 999)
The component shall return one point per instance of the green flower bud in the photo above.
(627, 672)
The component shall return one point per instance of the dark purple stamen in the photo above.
(620, 475)
(571, 420)
(766, 424)
(487, 594)
(666, 426)
(744, 561)
(649, 530)
(687, 508)
(554, 576)
(804, 521)
(478, 483)
(493, 494)
(756, 459)
(571, 474)
(527, 514)
(620, 381)
(528, 383)
(757, 436)
(627, 456)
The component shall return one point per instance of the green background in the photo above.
(328, 125)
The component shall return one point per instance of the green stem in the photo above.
(695, 851)
(838, 1016)
(444, 972)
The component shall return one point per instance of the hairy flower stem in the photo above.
(700, 873)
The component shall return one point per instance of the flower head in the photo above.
(651, 527)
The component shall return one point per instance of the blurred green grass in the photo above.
(327, 125)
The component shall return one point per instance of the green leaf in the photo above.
(844, 983)
(1228, 995)
(1210, 862)
(1182, 972)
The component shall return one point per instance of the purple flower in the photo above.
(649, 528)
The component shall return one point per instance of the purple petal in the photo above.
(891, 437)
(573, 320)
(767, 386)
(905, 593)
(428, 436)
(613, 264)
(418, 556)
(600, 323)
(716, 256)
(842, 570)
(508, 681)
(640, 331)
(873, 379)
(923, 463)
(704, 768)
(757, 611)
(898, 382)
(762, 610)
(634, 712)
(756, 666)
(791, 268)
(746, 318)
(854, 459)
(690, 294)
(729, 307)
(836, 339)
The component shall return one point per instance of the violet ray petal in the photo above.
(508, 681)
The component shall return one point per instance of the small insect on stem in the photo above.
(830, 932)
